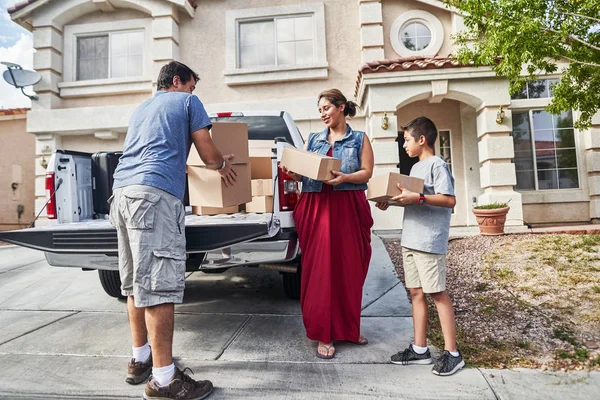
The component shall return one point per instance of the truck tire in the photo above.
(111, 283)
(291, 283)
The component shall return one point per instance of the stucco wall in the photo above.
(17, 153)
(556, 213)
(392, 10)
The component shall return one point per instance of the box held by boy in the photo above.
(260, 204)
(229, 138)
(383, 187)
(207, 188)
(311, 165)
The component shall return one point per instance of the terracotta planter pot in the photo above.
(491, 222)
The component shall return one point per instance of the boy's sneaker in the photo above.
(447, 364)
(182, 387)
(409, 356)
(138, 371)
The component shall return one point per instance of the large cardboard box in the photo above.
(261, 167)
(311, 165)
(260, 204)
(229, 138)
(383, 187)
(202, 210)
(262, 187)
(208, 189)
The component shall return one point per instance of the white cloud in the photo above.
(20, 53)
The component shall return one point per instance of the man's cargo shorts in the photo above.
(150, 227)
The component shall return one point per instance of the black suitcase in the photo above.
(104, 164)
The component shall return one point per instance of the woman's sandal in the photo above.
(328, 348)
(361, 341)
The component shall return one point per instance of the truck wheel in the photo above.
(111, 283)
(291, 283)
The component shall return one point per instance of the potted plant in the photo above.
(491, 218)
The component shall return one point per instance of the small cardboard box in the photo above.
(229, 138)
(208, 189)
(260, 204)
(262, 187)
(202, 210)
(383, 187)
(311, 165)
(261, 167)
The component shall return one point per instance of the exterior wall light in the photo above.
(384, 122)
(43, 162)
(500, 116)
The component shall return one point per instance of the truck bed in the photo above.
(203, 233)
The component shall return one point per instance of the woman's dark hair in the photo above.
(422, 126)
(172, 69)
(336, 98)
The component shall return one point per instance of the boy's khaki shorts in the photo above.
(424, 270)
(150, 227)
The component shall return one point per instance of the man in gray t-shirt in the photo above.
(147, 211)
(424, 244)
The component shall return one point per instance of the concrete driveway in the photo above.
(61, 336)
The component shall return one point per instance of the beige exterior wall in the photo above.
(17, 155)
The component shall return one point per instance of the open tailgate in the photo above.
(203, 233)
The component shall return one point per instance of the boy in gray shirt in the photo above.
(424, 245)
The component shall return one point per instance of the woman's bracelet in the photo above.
(223, 164)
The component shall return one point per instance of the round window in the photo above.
(415, 36)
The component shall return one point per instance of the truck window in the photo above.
(261, 127)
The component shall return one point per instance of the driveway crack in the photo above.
(237, 333)
(39, 327)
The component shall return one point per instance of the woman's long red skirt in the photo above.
(334, 229)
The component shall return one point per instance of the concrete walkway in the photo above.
(62, 337)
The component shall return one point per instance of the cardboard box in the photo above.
(311, 165)
(206, 187)
(262, 187)
(260, 204)
(383, 187)
(230, 138)
(261, 167)
(202, 210)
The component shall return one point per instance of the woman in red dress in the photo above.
(333, 220)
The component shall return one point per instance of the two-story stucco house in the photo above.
(100, 58)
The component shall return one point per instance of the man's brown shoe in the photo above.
(138, 371)
(182, 387)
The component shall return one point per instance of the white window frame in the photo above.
(438, 144)
(430, 21)
(529, 110)
(262, 74)
(71, 87)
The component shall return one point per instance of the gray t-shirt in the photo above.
(426, 228)
(158, 142)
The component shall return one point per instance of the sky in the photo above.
(16, 45)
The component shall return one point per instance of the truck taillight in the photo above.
(288, 192)
(51, 206)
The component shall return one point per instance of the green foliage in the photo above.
(539, 37)
(491, 206)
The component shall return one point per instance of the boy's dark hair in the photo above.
(422, 126)
(172, 69)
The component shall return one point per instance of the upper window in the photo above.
(417, 33)
(415, 36)
(540, 89)
(110, 55)
(545, 153)
(277, 41)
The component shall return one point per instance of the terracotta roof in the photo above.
(13, 111)
(414, 63)
(25, 3)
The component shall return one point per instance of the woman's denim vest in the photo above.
(348, 149)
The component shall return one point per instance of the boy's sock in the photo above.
(419, 349)
(141, 354)
(163, 375)
(454, 353)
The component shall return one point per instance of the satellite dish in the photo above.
(20, 78)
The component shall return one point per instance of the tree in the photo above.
(541, 36)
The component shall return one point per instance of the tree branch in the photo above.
(581, 16)
(589, 64)
(574, 38)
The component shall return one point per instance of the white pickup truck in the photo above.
(80, 237)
